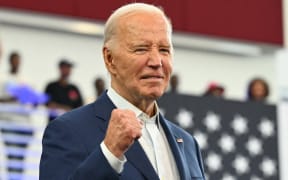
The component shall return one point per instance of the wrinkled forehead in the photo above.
(143, 23)
(143, 19)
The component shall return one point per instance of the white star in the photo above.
(253, 177)
(266, 127)
(254, 146)
(185, 118)
(201, 139)
(213, 162)
(227, 143)
(228, 177)
(239, 124)
(241, 164)
(268, 167)
(207, 177)
(212, 121)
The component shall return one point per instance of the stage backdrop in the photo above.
(238, 140)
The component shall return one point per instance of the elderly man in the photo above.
(122, 135)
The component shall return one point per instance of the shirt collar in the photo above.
(122, 103)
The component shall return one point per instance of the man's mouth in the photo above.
(152, 77)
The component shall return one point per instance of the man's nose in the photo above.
(155, 59)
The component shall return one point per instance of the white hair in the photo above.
(111, 23)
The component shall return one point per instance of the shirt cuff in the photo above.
(115, 163)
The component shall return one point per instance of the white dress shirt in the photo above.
(153, 142)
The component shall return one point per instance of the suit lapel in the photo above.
(177, 149)
(135, 155)
(103, 108)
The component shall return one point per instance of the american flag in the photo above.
(238, 140)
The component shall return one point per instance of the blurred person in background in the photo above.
(174, 82)
(11, 80)
(2, 99)
(258, 90)
(2, 88)
(11, 91)
(14, 61)
(63, 95)
(99, 86)
(14, 75)
(214, 90)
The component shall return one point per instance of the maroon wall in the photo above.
(252, 20)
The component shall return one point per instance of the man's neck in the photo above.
(13, 71)
(63, 81)
(146, 106)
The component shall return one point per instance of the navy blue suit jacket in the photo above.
(71, 148)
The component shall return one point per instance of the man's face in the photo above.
(15, 62)
(258, 90)
(174, 82)
(99, 85)
(65, 71)
(141, 58)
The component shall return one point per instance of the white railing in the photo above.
(21, 131)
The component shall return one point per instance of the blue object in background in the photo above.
(27, 95)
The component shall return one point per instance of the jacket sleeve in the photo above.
(64, 156)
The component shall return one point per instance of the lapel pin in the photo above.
(179, 140)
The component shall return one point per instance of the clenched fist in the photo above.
(123, 129)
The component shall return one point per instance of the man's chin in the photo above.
(154, 95)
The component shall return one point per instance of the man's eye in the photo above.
(167, 51)
(140, 50)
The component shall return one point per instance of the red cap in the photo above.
(213, 86)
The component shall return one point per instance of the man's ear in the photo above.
(108, 59)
